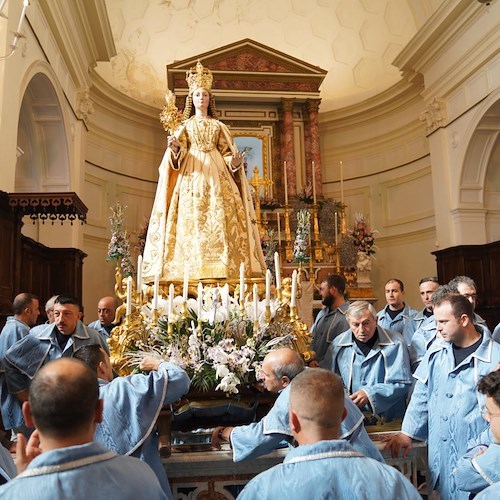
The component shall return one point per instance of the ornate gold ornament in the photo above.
(199, 77)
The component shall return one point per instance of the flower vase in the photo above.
(364, 268)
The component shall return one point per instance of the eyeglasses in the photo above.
(486, 414)
(470, 295)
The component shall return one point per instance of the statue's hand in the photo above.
(237, 159)
(173, 143)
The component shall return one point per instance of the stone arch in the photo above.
(42, 141)
(480, 175)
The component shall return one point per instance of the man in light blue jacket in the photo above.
(63, 461)
(324, 466)
(372, 362)
(445, 407)
(259, 438)
(479, 467)
(397, 315)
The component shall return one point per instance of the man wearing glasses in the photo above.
(478, 468)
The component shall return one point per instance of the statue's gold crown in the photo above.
(199, 76)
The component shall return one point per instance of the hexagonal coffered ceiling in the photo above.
(354, 40)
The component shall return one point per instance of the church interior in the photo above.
(391, 108)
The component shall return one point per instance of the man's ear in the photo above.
(285, 380)
(98, 411)
(28, 418)
(80, 315)
(344, 414)
(294, 422)
(101, 369)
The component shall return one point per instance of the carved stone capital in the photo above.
(84, 105)
(434, 115)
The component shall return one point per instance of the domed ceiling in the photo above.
(354, 40)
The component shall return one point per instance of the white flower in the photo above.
(229, 384)
(221, 371)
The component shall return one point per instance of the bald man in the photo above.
(323, 465)
(106, 309)
(61, 460)
(259, 438)
(26, 309)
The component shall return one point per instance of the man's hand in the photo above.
(25, 453)
(359, 398)
(396, 443)
(150, 363)
(219, 435)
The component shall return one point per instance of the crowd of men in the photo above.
(82, 431)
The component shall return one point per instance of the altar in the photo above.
(203, 475)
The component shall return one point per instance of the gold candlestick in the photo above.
(155, 315)
(316, 251)
(288, 236)
(293, 313)
(268, 314)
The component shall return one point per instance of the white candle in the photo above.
(156, 291)
(242, 283)
(268, 288)
(139, 274)
(227, 299)
(277, 270)
(185, 284)
(21, 19)
(129, 296)
(314, 183)
(285, 180)
(279, 229)
(200, 299)
(293, 298)
(170, 301)
(341, 184)
(336, 229)
(255, 302)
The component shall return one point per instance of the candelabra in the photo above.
(17, 34)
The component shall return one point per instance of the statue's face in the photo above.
(201, 98)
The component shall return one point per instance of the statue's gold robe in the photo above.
(203, 215)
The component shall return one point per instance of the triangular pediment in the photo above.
(248, 66)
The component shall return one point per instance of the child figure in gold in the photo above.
(203, 216)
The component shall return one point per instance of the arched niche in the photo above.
(42, 149)
(479, 191)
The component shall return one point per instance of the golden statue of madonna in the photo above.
(203, 217)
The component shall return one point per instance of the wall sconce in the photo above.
(17, 34)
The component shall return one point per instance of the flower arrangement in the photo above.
(219, 348)
(267, 203)
(306, 195)
(119, 246)
(302, 236)
(363, 237)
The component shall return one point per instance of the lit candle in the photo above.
(314, 183)
(185, 284)
(255, 302)
(336, 228)
(129, 296)
(139, 274)
(23, 13)
(170, 301)
(268, 288)
(242, 283)
(200, 299)
(285, 180)
(341, 184)
(156, 290)
(293, 298)
(279, 228)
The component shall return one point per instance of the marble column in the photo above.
(287, 145)
(314, 155)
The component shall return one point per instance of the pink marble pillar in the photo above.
(287, 145)
(312, 124)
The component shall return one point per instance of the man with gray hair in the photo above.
(259, 438)
(372, 362)
(324, 465)
(49, 312)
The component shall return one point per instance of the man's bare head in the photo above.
(280, 367)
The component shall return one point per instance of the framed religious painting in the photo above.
(255, 147)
